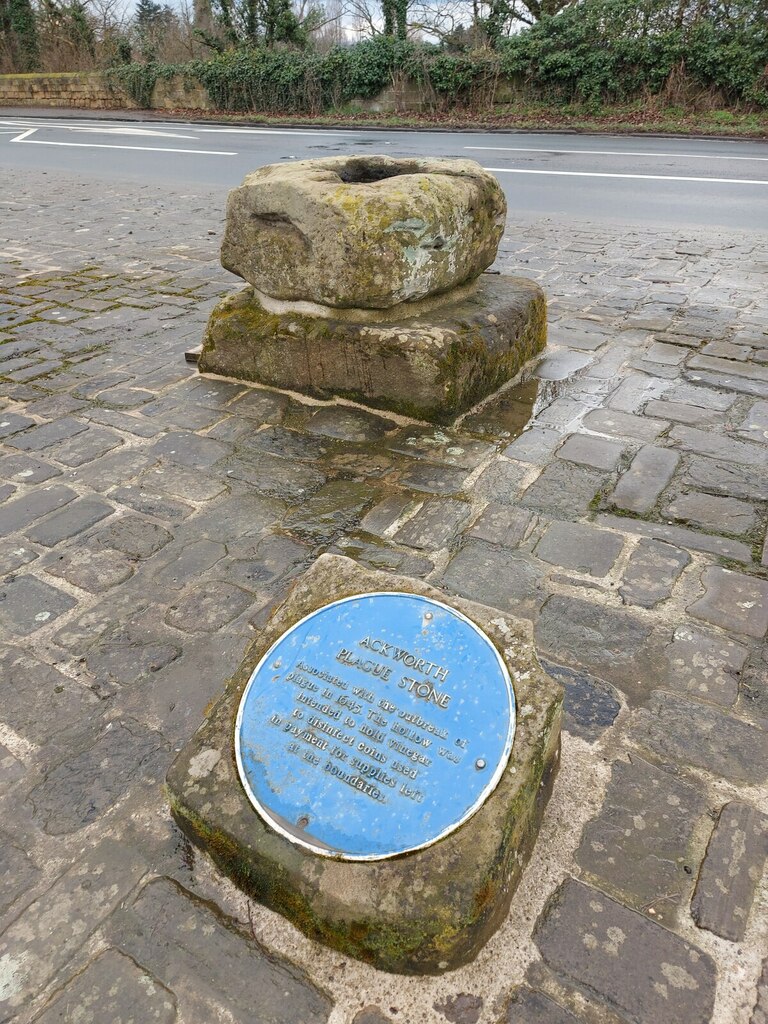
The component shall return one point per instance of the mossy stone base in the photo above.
(431, 365)
(424, 912)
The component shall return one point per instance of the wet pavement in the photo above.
(150, 518)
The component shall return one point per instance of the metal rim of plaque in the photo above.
(430, 747)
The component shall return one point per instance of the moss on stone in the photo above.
(431, 366)
(451, 895)
(342, 230)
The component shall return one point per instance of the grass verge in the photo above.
(628, 118)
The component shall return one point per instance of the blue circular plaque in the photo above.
(375, 726)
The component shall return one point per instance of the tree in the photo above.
(153, 22)
(18, 31)
(465, 24)
(67, 37)
(79, 29)
(147, 14)
(395, 12)
(257, 23)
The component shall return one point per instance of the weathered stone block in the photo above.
(640, 844)
(432, 364)
(423, 912)
(731, 871)
(214, 971)
(363, 231)
(630, 964)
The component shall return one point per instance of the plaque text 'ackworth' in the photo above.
(375, 726)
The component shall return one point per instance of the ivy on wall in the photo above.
(597, 51)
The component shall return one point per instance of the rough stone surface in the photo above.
(680, 536)
(733, 601)
(432, 366)
(27, 604)
(461, 1009)
(575, 546)
(607, 642)
(636, 967)
(639, 846)
(364, 231)
(528, 1006)
(760, 1012)
(40, 702)
(23, 511)
(485, 573)
(651, 573)
(648, 475)
(112, 988)
(689, 732)
(56, 925)
(727, 478)
(81, 788)
(436, 523)
(731, 871)
(17, 872)
(502, 524)
(212, 967)
(563, 490)
(590, 705)
(137, 288)
(71, 520)
(371, 1015)
(596, 452)
(347, 904)
(723, 515)
(91, 570)
(704, 665)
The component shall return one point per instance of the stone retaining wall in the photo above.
(81, 89)
(88, 90)
(180, 93)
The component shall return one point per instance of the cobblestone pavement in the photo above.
(150, 519)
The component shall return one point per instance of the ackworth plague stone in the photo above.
(375, 726)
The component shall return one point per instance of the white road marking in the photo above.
(130, 131)
(72, 126)
(612, 152)
(274, 131)
(97, 129)
(639, 177)
(24, 137)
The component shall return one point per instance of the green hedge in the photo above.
(616, 50)
(596, 52)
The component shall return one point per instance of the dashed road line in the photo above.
(556, 150)
(637, 177)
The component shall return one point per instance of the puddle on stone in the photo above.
(506, 416)
(559, 364)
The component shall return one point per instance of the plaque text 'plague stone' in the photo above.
(375, 726)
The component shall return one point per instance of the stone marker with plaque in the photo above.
(395, 697)
(367, 772)
(365, 280)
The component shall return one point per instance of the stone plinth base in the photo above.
(432, 364)
(424, 912)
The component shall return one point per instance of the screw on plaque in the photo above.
(480, 763)
(303, 821)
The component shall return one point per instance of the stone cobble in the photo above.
(149, 520)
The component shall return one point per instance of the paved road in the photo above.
(671, 182)
(149, 518)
